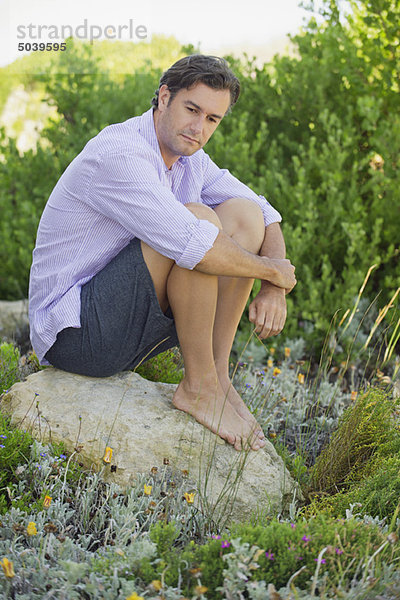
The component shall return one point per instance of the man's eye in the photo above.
(191, 109)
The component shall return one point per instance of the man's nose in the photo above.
(197, 124)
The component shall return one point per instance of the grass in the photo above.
(65, 533)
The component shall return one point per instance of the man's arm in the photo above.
(228, 258)
(268, 309)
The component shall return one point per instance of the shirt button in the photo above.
(191, 226)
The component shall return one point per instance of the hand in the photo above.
(268, 310)
(284, 276)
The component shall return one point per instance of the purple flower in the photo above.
(293, 525)
(305, 539)
(3, 437)
(299, 558)
(63, 456)
(216, 537)
(338, 551)
(322, 561)
(2, 446)
(269, 555)
(225, 544)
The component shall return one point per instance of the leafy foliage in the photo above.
(317, 133)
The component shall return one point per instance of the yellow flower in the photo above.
(189, 497)
(200, 589)
(272, 350)
(107, 455)
(147, 489)
(276, 372)
(354, 396)
(287, 352)
(47, 501)
(376, 162)
(157, 585)
(31, 529)
(300, 378)
(8, 568)
(134, 596)
(270, 363)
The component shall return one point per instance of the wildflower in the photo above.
(225, 544)
(157, 585)
(338, 551)
(2, 446)
(43, 454)
(270, 363)
(8, 568)
(3, 437)
(321, 561)
(62, 456)
(299, 558)
(134, 596)
(47, 501)
(293, 525)
(189, 497)
(216, 537)
(107, 455)
(147, 489)
(276, 372)
(269, 555)
(272, 350)
(305, 539)
(200, 589)
(376, 163)
(31, 529)
(287, 352)
(300, 378)
(353, 396)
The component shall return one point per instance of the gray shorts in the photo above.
(122, 323)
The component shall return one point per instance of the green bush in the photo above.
(364, 427)
(9, 362)
(317, 133)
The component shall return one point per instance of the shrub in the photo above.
(364, 426)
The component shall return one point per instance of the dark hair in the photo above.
(199, 68)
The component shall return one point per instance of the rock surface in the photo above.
(136, 419)
(14, 324)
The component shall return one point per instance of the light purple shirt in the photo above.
(116, 189)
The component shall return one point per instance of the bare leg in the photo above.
(193, 299)
(207, 310)
(243, 221)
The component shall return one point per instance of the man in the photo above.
(145, 243)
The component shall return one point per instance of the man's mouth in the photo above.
(190, 139)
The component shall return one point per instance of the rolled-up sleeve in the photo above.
(220, 185)
(127, 188)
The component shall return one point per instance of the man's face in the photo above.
(187, 123)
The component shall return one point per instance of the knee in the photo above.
(201, 211)
(243, 220)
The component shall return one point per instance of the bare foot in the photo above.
(209, 406)
(240, 407)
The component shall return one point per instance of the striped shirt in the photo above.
(116, 189)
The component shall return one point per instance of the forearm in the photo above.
(228, 258)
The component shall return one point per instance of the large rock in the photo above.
(14, 324)
(136, 419)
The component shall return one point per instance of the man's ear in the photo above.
(163, 97)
